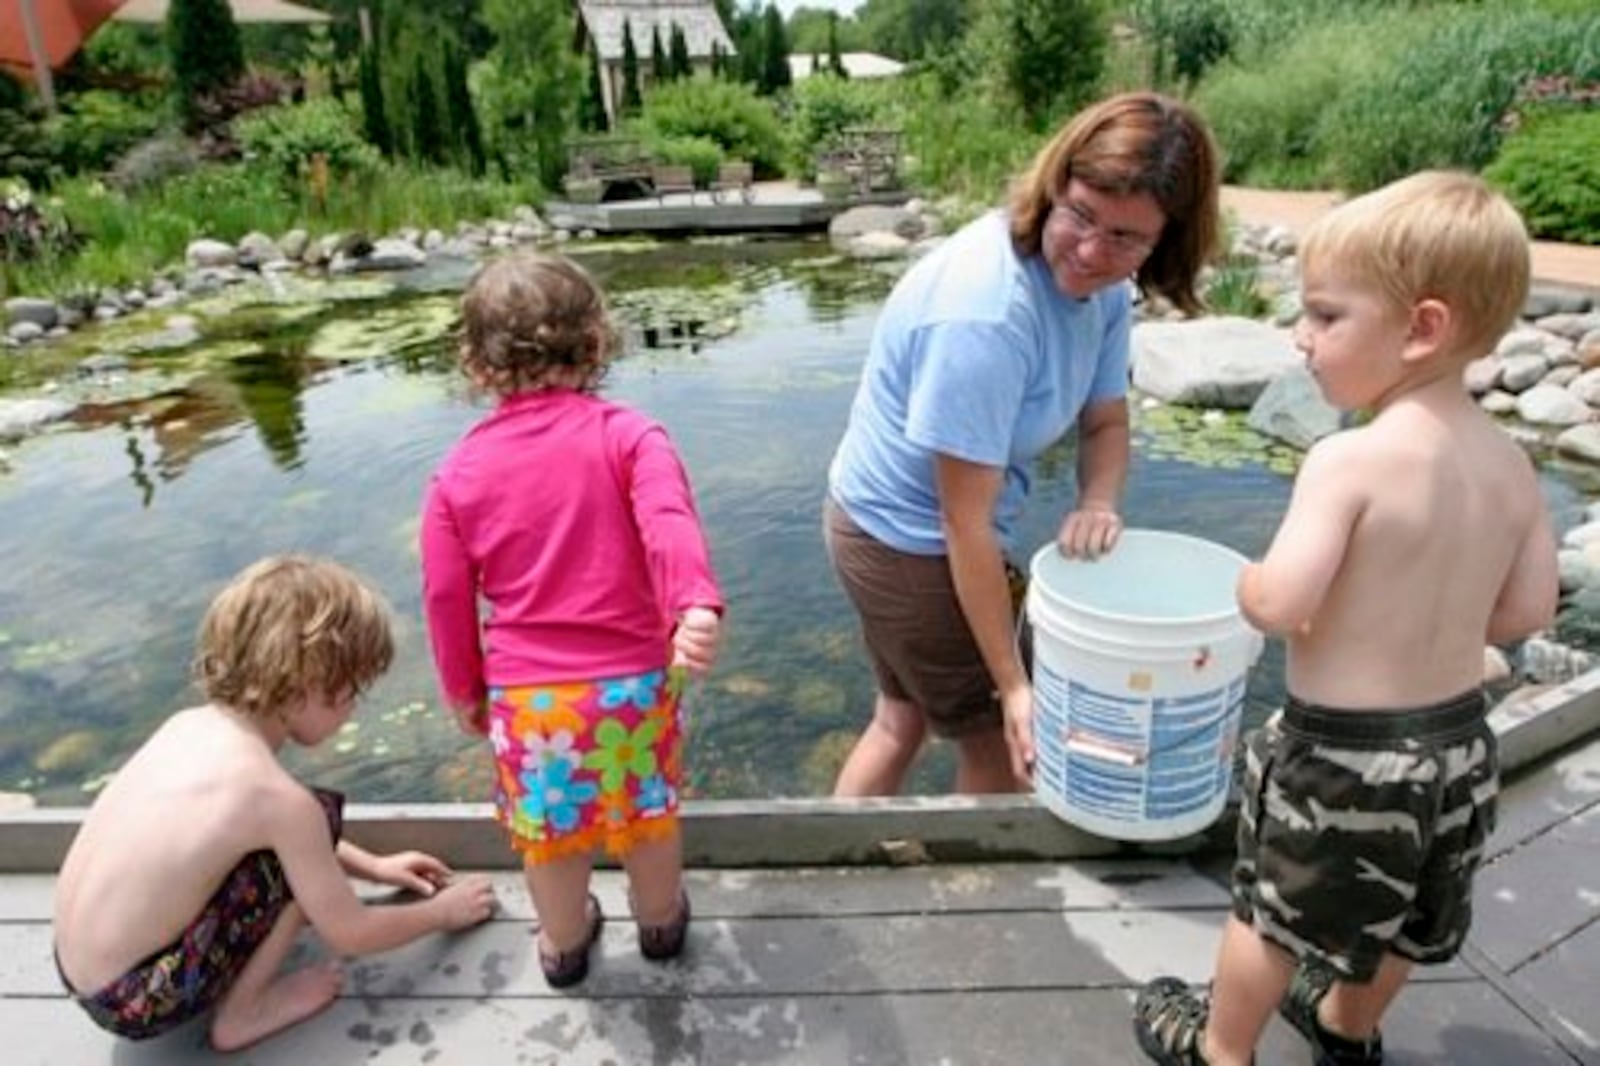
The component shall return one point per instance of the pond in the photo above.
(314, 426)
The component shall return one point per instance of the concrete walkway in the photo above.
(1560, 264)
(944, 963)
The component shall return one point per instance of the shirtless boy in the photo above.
(203, 858)
(1408, 544)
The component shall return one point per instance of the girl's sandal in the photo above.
(562, 969)
(659, 943)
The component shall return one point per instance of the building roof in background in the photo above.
(856, 64)
(243, 11)
(698, 19)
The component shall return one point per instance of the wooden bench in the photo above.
(670, 178)
(736, 175)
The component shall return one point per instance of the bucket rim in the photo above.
(1112, 616)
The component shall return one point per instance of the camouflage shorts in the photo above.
(1360, 831)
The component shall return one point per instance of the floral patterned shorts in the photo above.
(588, 763)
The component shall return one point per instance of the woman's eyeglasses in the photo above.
(1125, 244)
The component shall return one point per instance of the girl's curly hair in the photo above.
(528, 315)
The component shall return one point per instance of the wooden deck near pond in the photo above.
(1005, 948)
(771, 206)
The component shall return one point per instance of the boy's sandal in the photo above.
(562, 969)
(1299, 1008)
(1169, 1022)
(661, 942)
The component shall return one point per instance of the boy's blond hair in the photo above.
(1440, 235)
(288, 627)
(526, 315)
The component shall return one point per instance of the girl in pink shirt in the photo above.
(571, 519)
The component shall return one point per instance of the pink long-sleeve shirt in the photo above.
(573, 519)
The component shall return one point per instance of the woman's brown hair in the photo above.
(1139, 142)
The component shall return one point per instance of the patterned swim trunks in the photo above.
(588, 763)
(1360, 832)
(191, 975)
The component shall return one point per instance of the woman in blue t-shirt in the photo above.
(989, 349)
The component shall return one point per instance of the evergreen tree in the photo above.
(659, 71)
(1055, 54)
(531, 86)
(631, 100)
(749, 36)
(718, 63)
(775, 52)
(678, 54)
(203, 43)
(463, 120)
(593, 115)
(374, 122)
(835, 60)
(428, 134)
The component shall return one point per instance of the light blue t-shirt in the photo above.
(977, 355)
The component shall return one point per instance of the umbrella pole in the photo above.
(41, 62)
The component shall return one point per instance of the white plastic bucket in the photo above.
(1140, 660)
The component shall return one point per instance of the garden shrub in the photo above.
(207, 56)
(730, 114)
(27, 232)
(1268, 111)
(1550, 168)
(824, 106)
(1439, 104)
(701, 154)
(286, 137)
(152, 162)
(96, 128)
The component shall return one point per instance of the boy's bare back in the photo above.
(1428, 528)
(170, 824)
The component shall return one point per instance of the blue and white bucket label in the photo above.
(1134, 758)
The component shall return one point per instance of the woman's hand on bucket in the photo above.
(1090, 531)
(1016, 704)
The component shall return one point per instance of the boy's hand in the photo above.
(1090, 531)
(465, 903)
(414, 870)
(694, 642)
(1017, 707)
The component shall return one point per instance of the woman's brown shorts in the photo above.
(921, 648)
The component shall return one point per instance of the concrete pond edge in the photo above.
(828, 832)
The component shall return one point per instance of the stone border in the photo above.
(829, 832)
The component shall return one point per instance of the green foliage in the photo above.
(530, 87)
(701, 154)
(154, 162)
(632, 99)
(374, 116)
(965, 142)
(775, 74)
(1268, 115)
(24, 144)
(593, 114)
(835, 60)
(129, 238)
(679, 64)
(1186, 37)
(915, 29)
(203, 42)
(1440, 103)
(727, 113)
(823, 107)
(285, 139)
(659, 71)
(1054, 55)
(1232, 288)
(466, 132)
(1550, 168)
(28, 233)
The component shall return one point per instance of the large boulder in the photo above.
(42, 313)
(859, 221)
(1292, 409)
(18, 418)
(1210, 362)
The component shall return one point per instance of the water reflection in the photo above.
(274, 448)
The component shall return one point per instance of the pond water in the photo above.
(284, 431)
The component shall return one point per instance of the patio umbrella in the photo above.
(36, 35)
